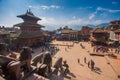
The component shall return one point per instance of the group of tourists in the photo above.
(53, 49)
(100, 49)
(117, 50)
(61, 66)
(90, 63)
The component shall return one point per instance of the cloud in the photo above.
(98, 21)
(108, 10)
(57, 23)
(114, 2)
(100, 8)
(103, 15)
(92, 15)
(75, 22)
(49, 7)
(51, 21)
(84, 22)
(89, 7)
(44, 7)
(114, 11)
(74, 17)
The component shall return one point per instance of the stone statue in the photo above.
(4, 59)
(25, 57)
(14, 70)
(43, 70)
(37, 59)
(55, 71)
(47, 59)
(58, 63)
(1, 73)
(66, 67)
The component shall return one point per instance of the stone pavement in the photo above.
(80, 71)
(103, 71)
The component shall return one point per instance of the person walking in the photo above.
(88, 64)
(84, 59)
(78, 60)
(65, 49)
(92, 65)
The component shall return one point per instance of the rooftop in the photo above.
(28, 14)
(118, 30)
(33, 34)
(68, 31)
(99, 30)
(115, 21)
(3, 32)
(28, 24)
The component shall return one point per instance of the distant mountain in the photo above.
(76, 27)
(103, 25)
(91, 25)
(99, 25)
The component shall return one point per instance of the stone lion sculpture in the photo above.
(26, 57)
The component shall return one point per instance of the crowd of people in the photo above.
(100, 49)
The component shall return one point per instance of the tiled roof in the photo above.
(28, 24)
(66, 31)
(115, 21)
(31, 35)
(116, 31)
(72, 31)
(29, 14)
(97, 39)
(99, 30)
(3, 32)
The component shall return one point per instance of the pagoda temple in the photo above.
(99, 37)
(31, 32)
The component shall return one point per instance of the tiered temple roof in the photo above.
(28, 14)
(28, 24)
(33, 34)
(29, 20)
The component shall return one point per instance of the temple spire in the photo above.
(29, 10)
